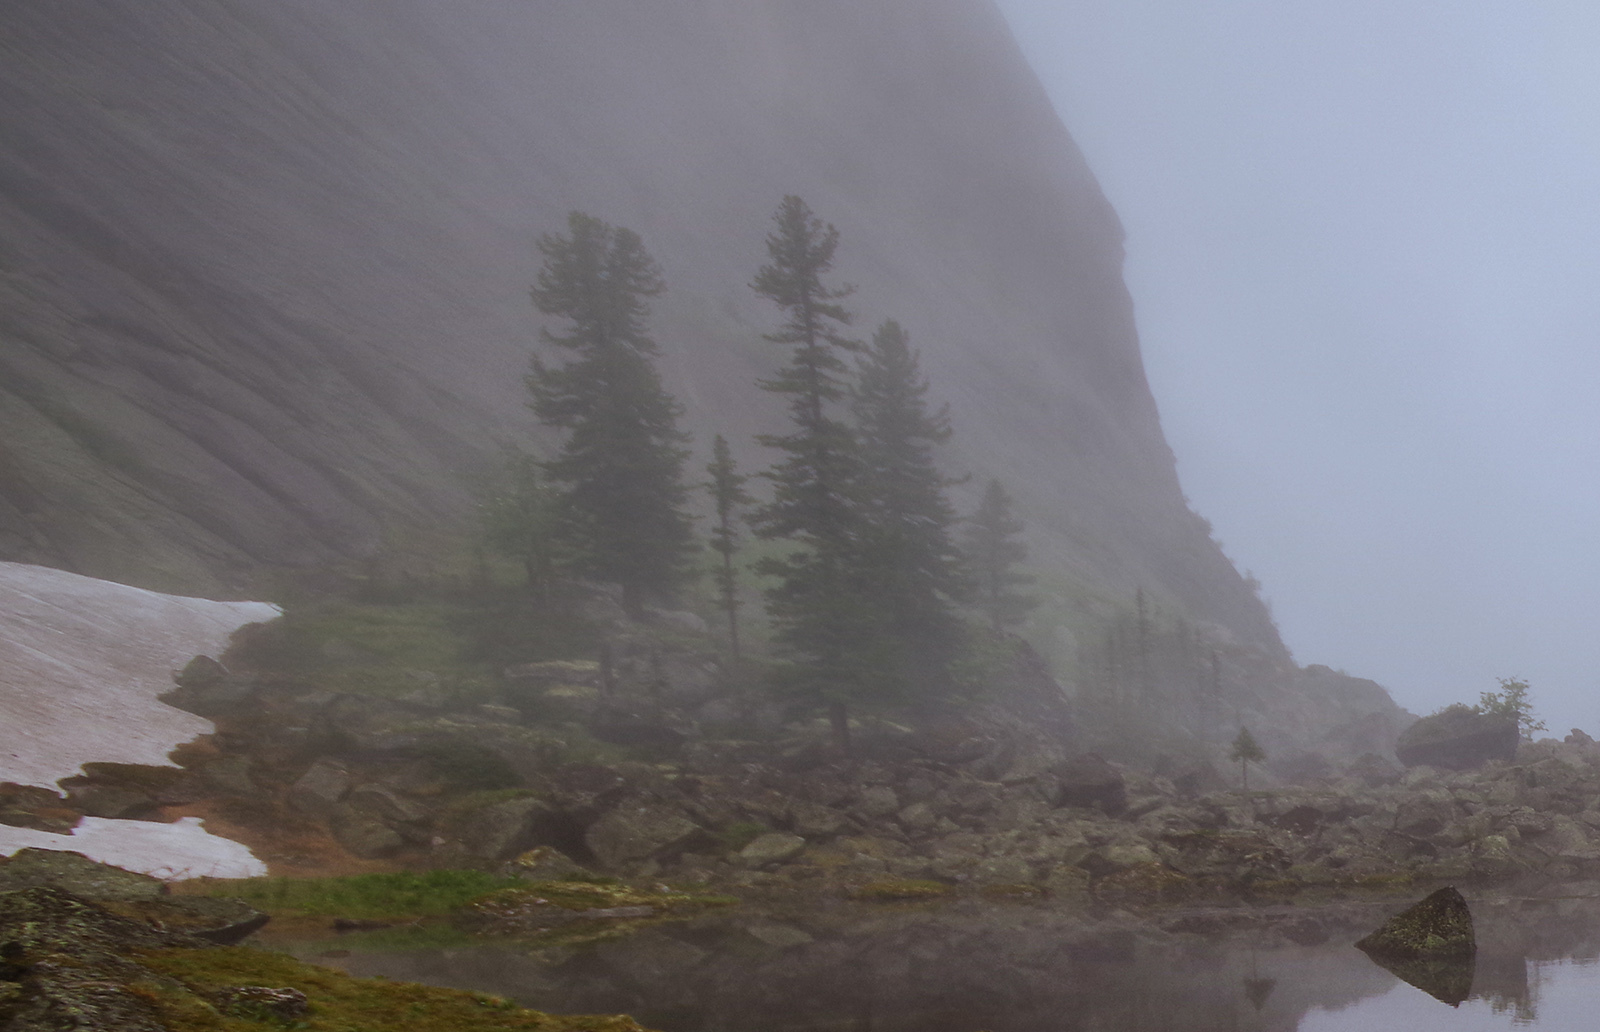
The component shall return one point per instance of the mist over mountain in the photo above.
(264, 270)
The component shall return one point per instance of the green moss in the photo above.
(739, 834)
(369, 897)
(338, 1002)
(895, 891)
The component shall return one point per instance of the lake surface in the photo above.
(1027, 967)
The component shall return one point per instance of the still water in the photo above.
(1020, 967)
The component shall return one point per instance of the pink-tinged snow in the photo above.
(174, 851)
(82, 662)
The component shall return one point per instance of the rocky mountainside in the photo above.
(264, 267)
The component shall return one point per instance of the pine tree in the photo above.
(821, 609)
(917, 569)
(729, 497)
(621, 463)
(1245, 752)
(992, 553)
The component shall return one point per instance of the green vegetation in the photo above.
(1246, 751)
(910, 889)
(620, 467)
(917, 575)
(366, 897)
(1511, 701)
(994, 552)
(338, 1002)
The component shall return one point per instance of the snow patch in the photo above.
(82, 662)
(170, 851)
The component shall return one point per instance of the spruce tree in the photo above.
(992, 554)
(917, 569)
(620, 466)
(821, 609)
(729, 497)
(1246, 750)
(520, 518)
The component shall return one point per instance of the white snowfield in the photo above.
(82, 662)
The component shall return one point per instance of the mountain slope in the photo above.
(263, 268)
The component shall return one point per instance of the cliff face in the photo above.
(263, 266)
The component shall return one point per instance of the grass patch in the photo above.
(338, 1002)
(366, 897)
(901, 891)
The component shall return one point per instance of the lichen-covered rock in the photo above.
(1458, 738)
(1439, 926)
(77, 874)
(637, 832)
(772, 848)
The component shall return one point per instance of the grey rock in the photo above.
(636, 831)
(918, 817)
(1457, 738)
(98, 800)
(1090, 782)
(320, 789)
(231, 776)
(386, 804)
(77, 874)
(877, 801)
(363, 836)
(814, 821)
(507, 828)
(775, 847)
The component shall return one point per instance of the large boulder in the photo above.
(1458, 738)
(638, 832)
(1439, 926)
(1090, 781)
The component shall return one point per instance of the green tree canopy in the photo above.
(917, 570)
(1512, 700)
(993, 554)
(821, 607)
(620, 466)
(1246, 750)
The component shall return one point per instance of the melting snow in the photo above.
(82, 662)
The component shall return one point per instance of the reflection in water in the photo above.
(1447, 979)
(1017, 968)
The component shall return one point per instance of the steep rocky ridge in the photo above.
(263, 267)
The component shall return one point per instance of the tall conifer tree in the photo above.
(729, 497)
(917, 568)
(821, 607)
(993, 553)
(621, 462)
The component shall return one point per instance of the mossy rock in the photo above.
(1439, 926)
(73, 959)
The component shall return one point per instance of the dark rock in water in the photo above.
(1090, 781)
(1458, 738)
(1439, 926)
(1446, 979)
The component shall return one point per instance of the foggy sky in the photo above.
(1364, 246)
